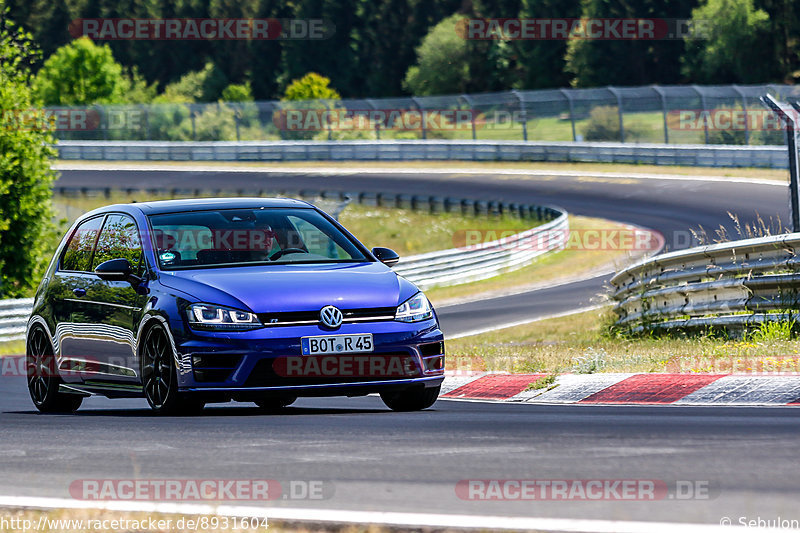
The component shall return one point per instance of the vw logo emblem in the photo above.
(331, 316)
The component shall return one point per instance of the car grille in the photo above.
(297, 318)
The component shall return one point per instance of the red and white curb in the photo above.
(649, 389)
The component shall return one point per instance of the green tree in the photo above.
(80, 73)
(237, 93)
(784, 19)
(542, 62)
(593, 63)
(739, 47)
(442, 61)
(310, 97)
(382, 62)
(25, 174)
(204, 85)
(312, 86)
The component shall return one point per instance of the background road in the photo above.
(373, 459)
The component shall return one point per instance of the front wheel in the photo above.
(411, 399)
(43, 379)
(161, 378)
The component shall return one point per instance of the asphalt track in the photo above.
(372, 459)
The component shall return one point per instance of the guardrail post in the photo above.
(422, 115)
(523, 115)
(705, 108)
(468, 100)
(746, 118)
(794, 170)
(236, 121)
(194, 126)
(663, 111)
(617, 94)
(377, 122)
(565, 92)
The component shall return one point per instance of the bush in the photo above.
(312, 94)
(442, 61)
(81, 73)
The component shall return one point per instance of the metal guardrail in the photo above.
(462, 265)
(431, 150)
(14, 318)
(728, 285)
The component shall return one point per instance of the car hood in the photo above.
(294, 287)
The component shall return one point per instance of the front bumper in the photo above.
(252, 364)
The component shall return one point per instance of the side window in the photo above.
(315, 240)
(119, 239)
(78, 252)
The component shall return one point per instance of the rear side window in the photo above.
(78, 254)
(119, 240)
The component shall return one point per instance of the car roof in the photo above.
(203, 204)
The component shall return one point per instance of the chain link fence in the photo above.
(730, 114)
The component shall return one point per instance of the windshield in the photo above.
(237, 237)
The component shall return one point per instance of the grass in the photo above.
(12, 348)
(580, 343)
(548, 269)
(411, 232)
(455, 166)
(405, 231)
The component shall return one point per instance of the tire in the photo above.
(42, 376)
(270, 404)
(411, 399)
(160, 377)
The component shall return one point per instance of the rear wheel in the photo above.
(43, 379)
(160, 376)
(411, 399)
(276, 403)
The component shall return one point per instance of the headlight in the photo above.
(214, 317)
(415, 309)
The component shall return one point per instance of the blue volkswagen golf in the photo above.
(189, 302)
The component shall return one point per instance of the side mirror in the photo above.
(386, 256)
(117, 270)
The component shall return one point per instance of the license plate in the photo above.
(337, 344)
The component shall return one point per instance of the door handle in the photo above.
(79, 292)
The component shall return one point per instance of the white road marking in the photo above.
(392, 519)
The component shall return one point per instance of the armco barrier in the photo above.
(729, 285)
(433, 150)
(14, 318)
(448, 267)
